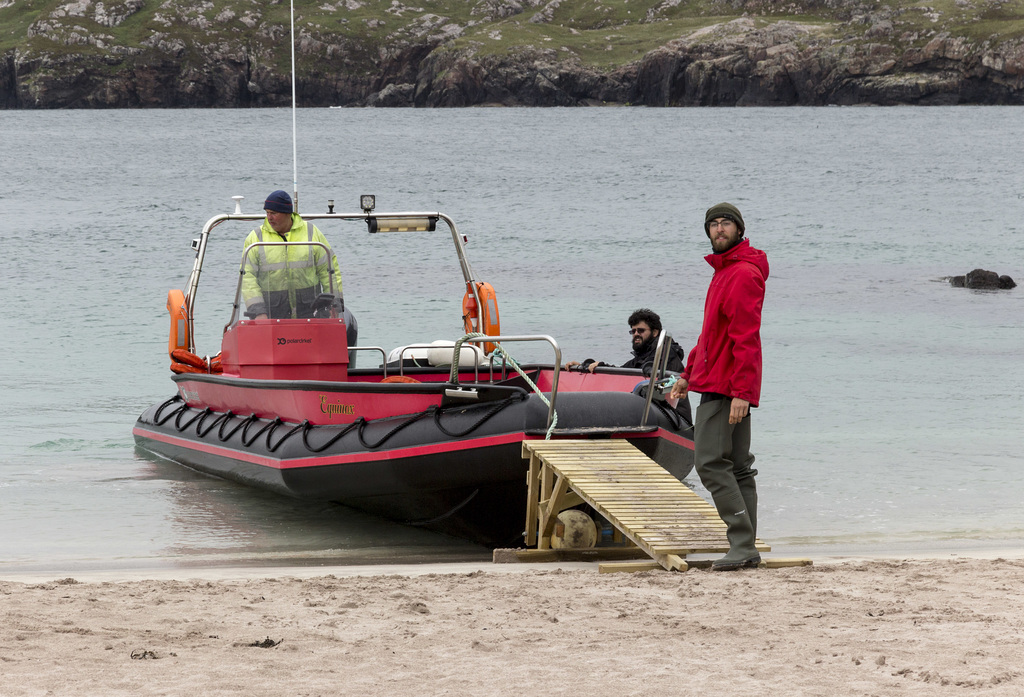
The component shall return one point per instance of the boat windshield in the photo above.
(281, 280)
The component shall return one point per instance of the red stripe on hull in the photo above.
(324, 460)
(341, 459)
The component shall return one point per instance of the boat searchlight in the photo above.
(428, 224)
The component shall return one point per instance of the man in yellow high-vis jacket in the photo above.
(289, 281)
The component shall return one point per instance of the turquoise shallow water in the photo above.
(892, 406)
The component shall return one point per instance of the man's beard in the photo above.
(644, 345)
(716, 250)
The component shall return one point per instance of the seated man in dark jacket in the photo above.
(644, 330)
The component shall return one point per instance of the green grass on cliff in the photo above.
(15, 20)
(600, 33)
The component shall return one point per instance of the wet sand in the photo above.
(858, 626)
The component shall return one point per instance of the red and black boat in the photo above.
(432, 435)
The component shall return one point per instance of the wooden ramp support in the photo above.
(657, 512)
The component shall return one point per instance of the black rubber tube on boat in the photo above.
(295, 429)
(271, 425)
(223, 417)
(199, 426)
(201, 415)
(393, 431)
(160, 409)
(332, 440)
(248, 420)
(490, 413)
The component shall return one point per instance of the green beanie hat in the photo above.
(723, 210)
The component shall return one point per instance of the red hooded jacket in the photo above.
(727, 357)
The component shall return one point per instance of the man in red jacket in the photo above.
(725, 367)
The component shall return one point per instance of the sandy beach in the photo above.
(853, 627)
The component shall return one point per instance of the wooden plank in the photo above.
(544, 487)
(637, 469)
(783, 562)
(598, 460)
(532, 494)
(550, 510)
(658, 494)
(512, 556)
(691, 509)
(617, 479)
(665, 518)
(673, 562)
(628, 566)
(672, 525)
(654, 487)
(644, 501)
(703, 548)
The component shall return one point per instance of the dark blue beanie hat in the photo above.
(278, 201)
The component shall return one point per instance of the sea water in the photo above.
(892, 405)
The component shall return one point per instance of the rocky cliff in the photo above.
(235, 53)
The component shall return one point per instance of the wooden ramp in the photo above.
(657, 512)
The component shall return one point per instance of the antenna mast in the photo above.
(295, 163)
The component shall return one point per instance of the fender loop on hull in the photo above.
(332, 440)
(295, 429)
(198, 417)
(199, 427)
(486, 417)
(270, 424)
(396, 429)
(169, 402)
(202, 419)
(244, 423)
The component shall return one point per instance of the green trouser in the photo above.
(724, 464)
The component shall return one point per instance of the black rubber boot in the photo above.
(749, 491)
(742, 552)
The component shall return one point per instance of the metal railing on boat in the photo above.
(497, 340)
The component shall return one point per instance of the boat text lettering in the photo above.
(281, 341)
(335, 408)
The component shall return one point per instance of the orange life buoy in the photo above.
(185, 368)
(215, 366)
(484, 320)
(190, 359)
(176, 305)
(399, 378)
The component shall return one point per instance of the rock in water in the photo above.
(982, 279)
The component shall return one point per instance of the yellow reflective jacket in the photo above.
(284, 281)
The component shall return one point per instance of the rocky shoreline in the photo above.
(131, 54)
